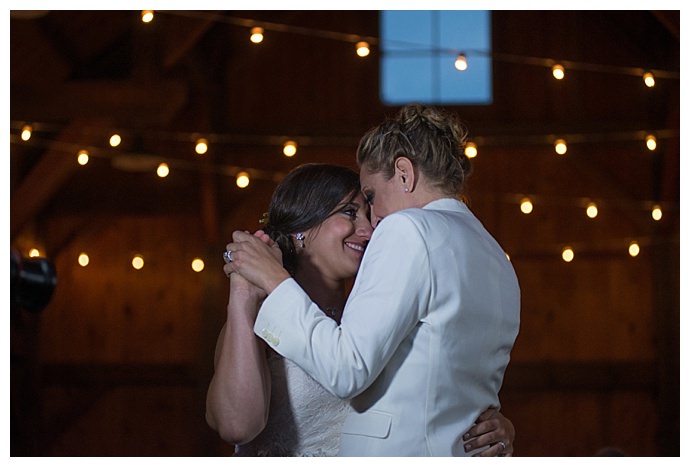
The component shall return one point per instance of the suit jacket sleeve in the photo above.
(389, 297)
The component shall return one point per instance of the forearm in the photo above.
(345, 360)
(239, 393)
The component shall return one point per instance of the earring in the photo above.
(300, 238)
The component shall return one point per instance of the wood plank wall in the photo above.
(122, 357)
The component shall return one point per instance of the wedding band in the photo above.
(503, 445)
(227, 256)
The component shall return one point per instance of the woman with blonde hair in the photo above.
(427, 330)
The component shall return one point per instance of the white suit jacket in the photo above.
(425, 337)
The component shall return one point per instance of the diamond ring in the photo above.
(227, 256)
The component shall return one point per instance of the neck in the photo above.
(329, 295)
(421, 197)
(424, 193)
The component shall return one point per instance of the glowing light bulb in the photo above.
(197, 265)
(558, 72)
(242, 180)
(592, 210)
(526, 205)
(633, 249)
(163, 170)
(650, 140)
(567, 254)
(257, 35)
(362, 48)
(83, 260)
(648, 78)
(201, 146)
(461, 62)
(34, 253)
(147, 16)
(115, 140)
(560, 146)
(138, 262)
(290, 148)
(471, 150)
(26, 132)
(656, 212)
(83, 157)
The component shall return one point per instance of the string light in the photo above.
(26, 132)
(526, 205)
(362, 48)
(347, 37)
(257, 35)
(471, 150)
(242, 180)
(486, 140)
(147, 16)
(558, 72)
(461, 62)
(115, 140)
(289, 148)
(201, 146)
(83, 157)
(163, 170)
(560, 146)
(592, 210)
(197, 265)
(138, 262)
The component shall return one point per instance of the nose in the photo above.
(364, 228)
(374, 218)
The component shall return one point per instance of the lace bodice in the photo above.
(304, 419)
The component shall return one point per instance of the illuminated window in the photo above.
(418, 54)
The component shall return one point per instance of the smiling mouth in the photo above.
(354, 246)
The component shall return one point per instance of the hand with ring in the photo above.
(227, 256)
(494, 430)
(227, 259)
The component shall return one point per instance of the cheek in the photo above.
(385, 205)
(339, 230)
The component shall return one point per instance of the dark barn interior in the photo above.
(117, 361)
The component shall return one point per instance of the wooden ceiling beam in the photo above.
(44, 179)
(182, 35)
(133, 102)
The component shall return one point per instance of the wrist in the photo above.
(273, 282)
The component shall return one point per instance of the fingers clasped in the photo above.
(256, 257)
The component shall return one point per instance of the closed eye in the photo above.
(369, 197)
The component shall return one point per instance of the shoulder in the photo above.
(400, 223)
(423, 220)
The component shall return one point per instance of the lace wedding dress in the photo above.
(304, 419)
